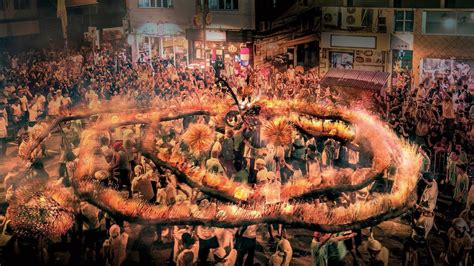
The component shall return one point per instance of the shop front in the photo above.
(221, 47)
(359, 52)
(166, 41)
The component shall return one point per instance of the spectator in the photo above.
(378, 253)
(459, 244)
(3, 135)
(187, 256)
(115, 246)
(246, 244)
(461, 188)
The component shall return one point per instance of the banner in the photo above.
(62, 14)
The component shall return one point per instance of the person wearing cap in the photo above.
(459, 243)
(378, 253)
(461, 189)
(115, 248)
(427, 202)
(260, 167)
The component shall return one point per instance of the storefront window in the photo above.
(223, 4)
(459, 4)
(22, 4)
(341, 60)
(403, 21)
(155, 3)
(448, 23)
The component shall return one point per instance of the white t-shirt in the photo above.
(54, 106)
(33, 113)
(40, 101)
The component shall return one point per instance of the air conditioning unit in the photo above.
(351, 17)
(330, 16)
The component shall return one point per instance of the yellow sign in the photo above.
(232, 49)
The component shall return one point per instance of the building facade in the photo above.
(290, 38)
(18, 18)
(174, 29)
(425, 42)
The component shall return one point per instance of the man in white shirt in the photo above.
(141, 184)
(3, 134)
(54, 106)
(427, 202)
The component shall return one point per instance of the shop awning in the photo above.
(361, 79)
(305, 39)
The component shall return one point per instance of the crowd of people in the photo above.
(41, 85)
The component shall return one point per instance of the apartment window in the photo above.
(448, 23)
(403, 21)
(417, 4)
(224, 4)
(155, 3)
(21, 4)
(2, 4)
(459, 4)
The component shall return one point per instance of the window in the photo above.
(155, 3)
(459, 4)
(2, 4)
(417, 4)
(224, 4)
(403, 21)
(22, 4)
(448, 23)
(370, 3)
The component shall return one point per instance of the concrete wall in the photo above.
(18, 22)
(438, 46)
(180, 14)
(183, 11)
(12, 14)
(244, 18)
